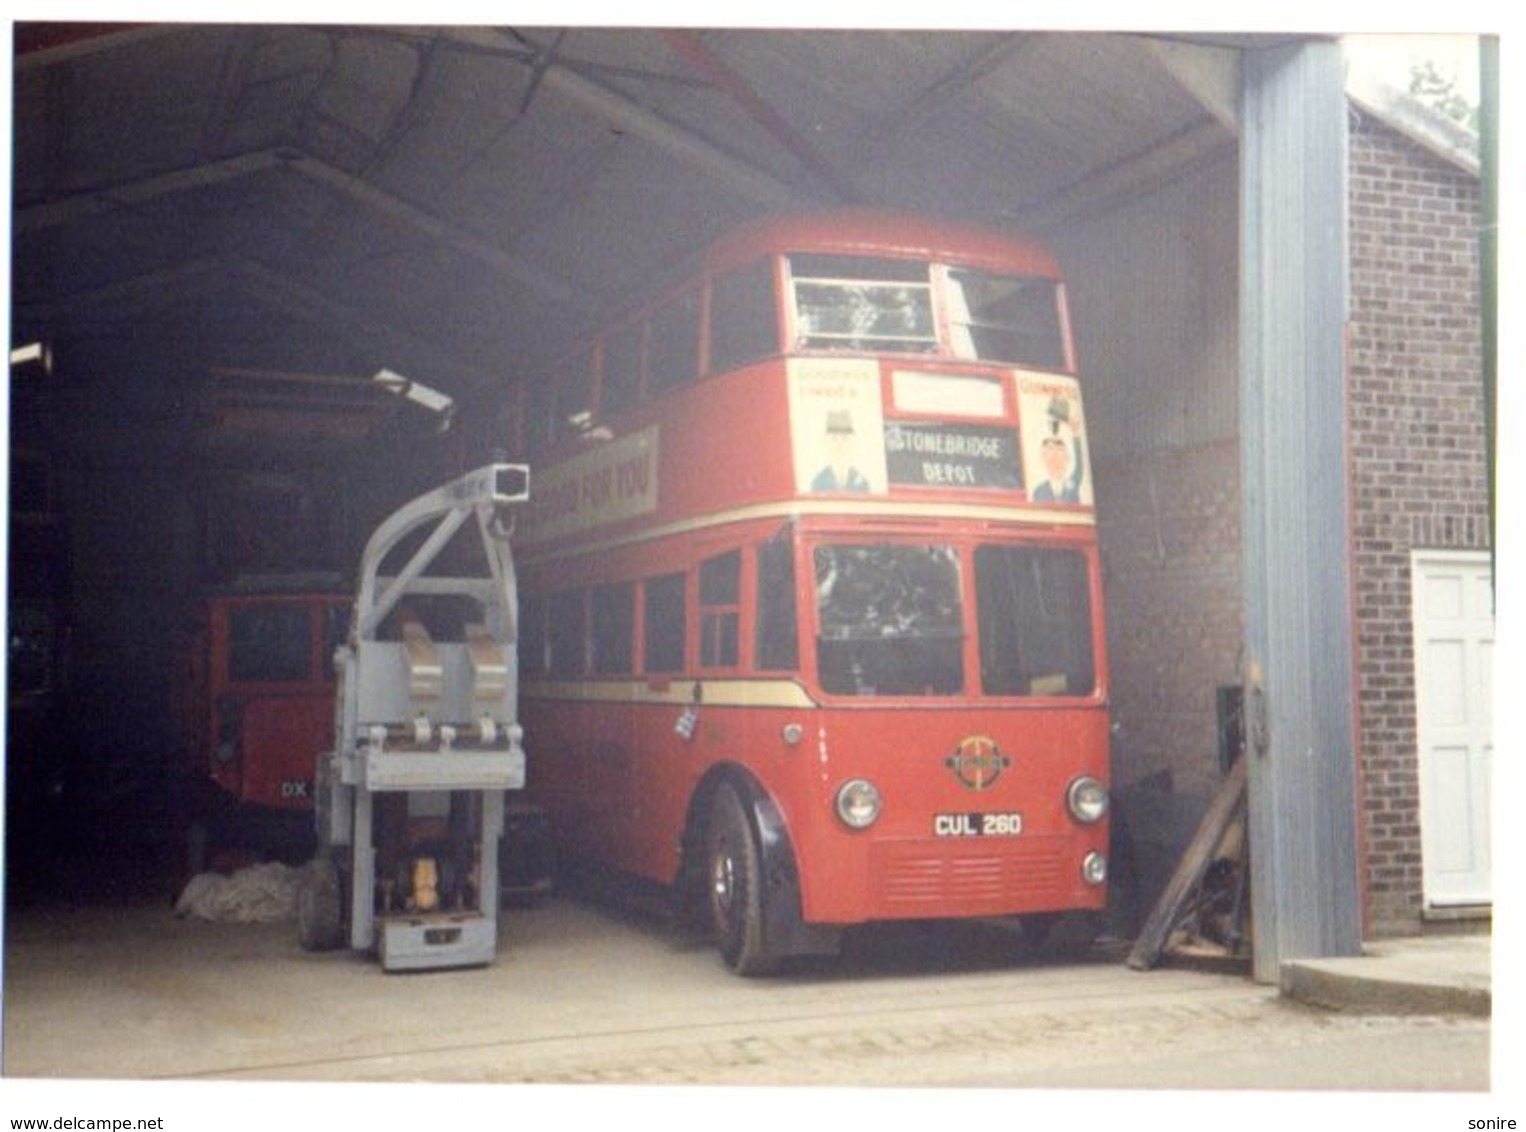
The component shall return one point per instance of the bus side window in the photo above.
(573, 397)
(673, 348)
(534, 648)
(538, 423)
(744, 322)
(720, 595)
(778, 646)
(622, 369)
(565, 635)
(614, 621)
(663, 632)
(336, 631)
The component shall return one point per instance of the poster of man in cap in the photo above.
(839, 472)
(1054, 441)
(837, 419)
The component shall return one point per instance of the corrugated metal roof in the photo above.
(454, 202)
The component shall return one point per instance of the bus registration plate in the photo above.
(977, 825)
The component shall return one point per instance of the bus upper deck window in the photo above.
(621, 385)
(572, 398)
(744, 324)
(858, 303)
(539, 419)
(1006, 318)
(673, 347)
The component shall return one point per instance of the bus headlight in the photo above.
(1086, 798)
(1094, 868)
(858, 803)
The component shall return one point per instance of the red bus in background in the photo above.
(259, 706)
(811, 613)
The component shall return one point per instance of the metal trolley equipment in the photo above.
(410, 802)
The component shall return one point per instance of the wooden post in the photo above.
(1194, 863)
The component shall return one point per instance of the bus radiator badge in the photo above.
(977, 762)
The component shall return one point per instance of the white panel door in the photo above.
(1454, 640)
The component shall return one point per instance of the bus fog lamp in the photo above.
(1086, 798)
(858, 803)
(1094, 868)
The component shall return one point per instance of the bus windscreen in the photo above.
(1035, 622)
(891, 620)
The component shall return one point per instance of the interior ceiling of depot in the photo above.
(264, 214)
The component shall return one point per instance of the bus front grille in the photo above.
(953, 875)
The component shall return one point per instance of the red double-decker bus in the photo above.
(811, 603)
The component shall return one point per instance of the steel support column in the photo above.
(1298, 658)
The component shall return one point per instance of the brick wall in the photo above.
(1170, 520)
(1169, 524)
(1418, 452)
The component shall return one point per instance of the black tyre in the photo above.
(734, 878)
(320, 906)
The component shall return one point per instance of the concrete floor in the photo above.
(591, 994)
(597, 1007)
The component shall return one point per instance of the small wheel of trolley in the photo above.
(320, 905)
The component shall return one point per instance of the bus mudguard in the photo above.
(784, 932)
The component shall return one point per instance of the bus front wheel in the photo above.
(734, 873)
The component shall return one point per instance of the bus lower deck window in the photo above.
(663, 631)
(720, 594)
